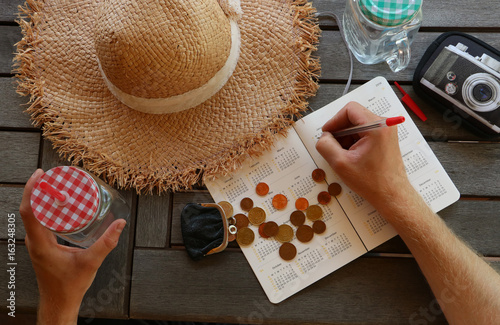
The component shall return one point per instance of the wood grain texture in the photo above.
(12, 106)
(223, 288)
(10, 200)
(152, 228)
(335, 60)
(18, 155)
(436, 13)
(471, 166)
(9, 35)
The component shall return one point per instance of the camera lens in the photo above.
(482, 92)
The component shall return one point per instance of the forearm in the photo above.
(466, 287)
(57, 312)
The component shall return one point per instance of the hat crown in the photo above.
(160, 49)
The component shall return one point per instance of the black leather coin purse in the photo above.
(204, 229)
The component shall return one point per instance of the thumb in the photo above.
(330, 149)
(107, 242)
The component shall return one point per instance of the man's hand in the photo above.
(369, 163)
(63, 273)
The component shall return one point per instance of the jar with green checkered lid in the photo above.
(382, 30)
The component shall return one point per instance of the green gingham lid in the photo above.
(390, 12)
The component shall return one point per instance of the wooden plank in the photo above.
(10, 200)
(12, 106)
(470, 166)
(8, 10)
(18, 156)
(9, 35)
(436, 13)
(438, 126)
(26, 285)
(153, 220)
(368, 291)
(335, 60)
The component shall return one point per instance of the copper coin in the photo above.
(262, 189)
(231, 237)
(227, 207)
(241, 220)
(261, 231)
(271, 229)
(288, 251)
(318, 175)
(305, 233)
(334, 189)
(324, 197)
(246, 204)
(285, 233)
(314, 212)
(319, 227)
(245, 236)
(297, 218)
(301, 204)
(280, 201)
(256, 216)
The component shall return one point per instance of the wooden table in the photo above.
(149, 274)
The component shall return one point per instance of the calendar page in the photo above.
(424, 170)
(353, 226)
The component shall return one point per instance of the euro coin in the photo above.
(227, 207)
(245, 236)
(305, 233)
(319, 227)
(271, 229)
(334, 189)
(241, 220)
(280, 201)
(285, 234)
(314, 212)
(288, 251)
(301, 204)
(324, 198)
(246, 204)
(318, 175)
(256, 216)
(262, 189)
(297, 218)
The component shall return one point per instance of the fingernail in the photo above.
(33, 174)
(120, 226)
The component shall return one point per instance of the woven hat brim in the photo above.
(86, 123)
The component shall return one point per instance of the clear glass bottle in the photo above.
(375, 33)
(76, 205)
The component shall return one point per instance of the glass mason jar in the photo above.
(76, 205)
(378, 31)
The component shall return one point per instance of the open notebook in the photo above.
(353, 225)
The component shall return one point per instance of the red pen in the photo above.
(390, 121)
(411, 104)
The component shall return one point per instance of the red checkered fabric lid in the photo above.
(80, 206)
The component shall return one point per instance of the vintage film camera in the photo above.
(466, 83)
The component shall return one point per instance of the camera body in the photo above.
(469, 85)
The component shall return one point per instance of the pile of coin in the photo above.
(282, 233)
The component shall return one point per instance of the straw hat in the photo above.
(152, 94)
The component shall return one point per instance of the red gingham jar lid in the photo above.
(80, 206)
